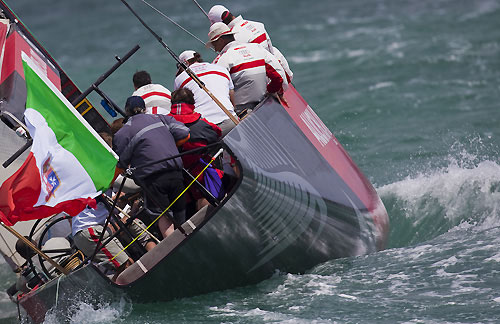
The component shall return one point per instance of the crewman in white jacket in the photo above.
(156, 96)
(217, 80)
(247, 31)
(250, 67)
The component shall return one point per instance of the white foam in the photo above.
(356, 53)
(447, 262)
(399, 275)
(381, 85)
(296, 308)
(348, 296)
(416, 252)
(310, 57)
(88, 313)
(259, 315)
(482, 8)
(453, 188)
(495, 258)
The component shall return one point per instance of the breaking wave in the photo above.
(115, 312)
(429, 204)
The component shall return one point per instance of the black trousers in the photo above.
(165, 187)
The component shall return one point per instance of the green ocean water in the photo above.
(412, 91)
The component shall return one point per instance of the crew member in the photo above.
(202, 132)
(250, 67)
(147, 139)
(245, 31)
(156, 96)
(217, 80)
(135, 228)
(87, 227)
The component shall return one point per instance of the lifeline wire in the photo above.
(199, 174)
(57, 290)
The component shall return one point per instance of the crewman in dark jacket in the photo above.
(148, 138)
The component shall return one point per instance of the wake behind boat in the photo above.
(297, 200)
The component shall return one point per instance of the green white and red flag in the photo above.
(69, 163)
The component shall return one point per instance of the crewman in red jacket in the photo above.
(202, 132)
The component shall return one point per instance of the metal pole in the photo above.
(133, 219)
(105, 75)
(18, 153)
(99, 245)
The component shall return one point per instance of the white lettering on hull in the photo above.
(316, 126)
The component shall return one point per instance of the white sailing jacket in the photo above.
(247, 31)
(254, 71)
(156, 97)
(218, 81)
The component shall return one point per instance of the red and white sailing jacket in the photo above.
(251, 67)
(247, 31)
(156, 97)
(284, 64)
(218, 81)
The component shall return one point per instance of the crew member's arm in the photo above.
(118, 171)
(284, 63)
(268, 44)
(178, 130)
(181, 142)
(230, 84)
(231, 97)
(275, 73)
(121, 146)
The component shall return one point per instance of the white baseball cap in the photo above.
(215, 13)
(217, 30)
(186, 56)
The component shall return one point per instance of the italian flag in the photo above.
(69, 163)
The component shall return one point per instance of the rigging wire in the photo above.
(173, 22)
(196, 2)
(182, 64)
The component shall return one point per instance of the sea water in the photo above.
(412, 91)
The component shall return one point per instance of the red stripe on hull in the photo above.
(326, 143)
(12, 61)
(333, 152)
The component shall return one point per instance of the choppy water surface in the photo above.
(410, 88)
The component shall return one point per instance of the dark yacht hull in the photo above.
(300, 201)
(291, 211)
